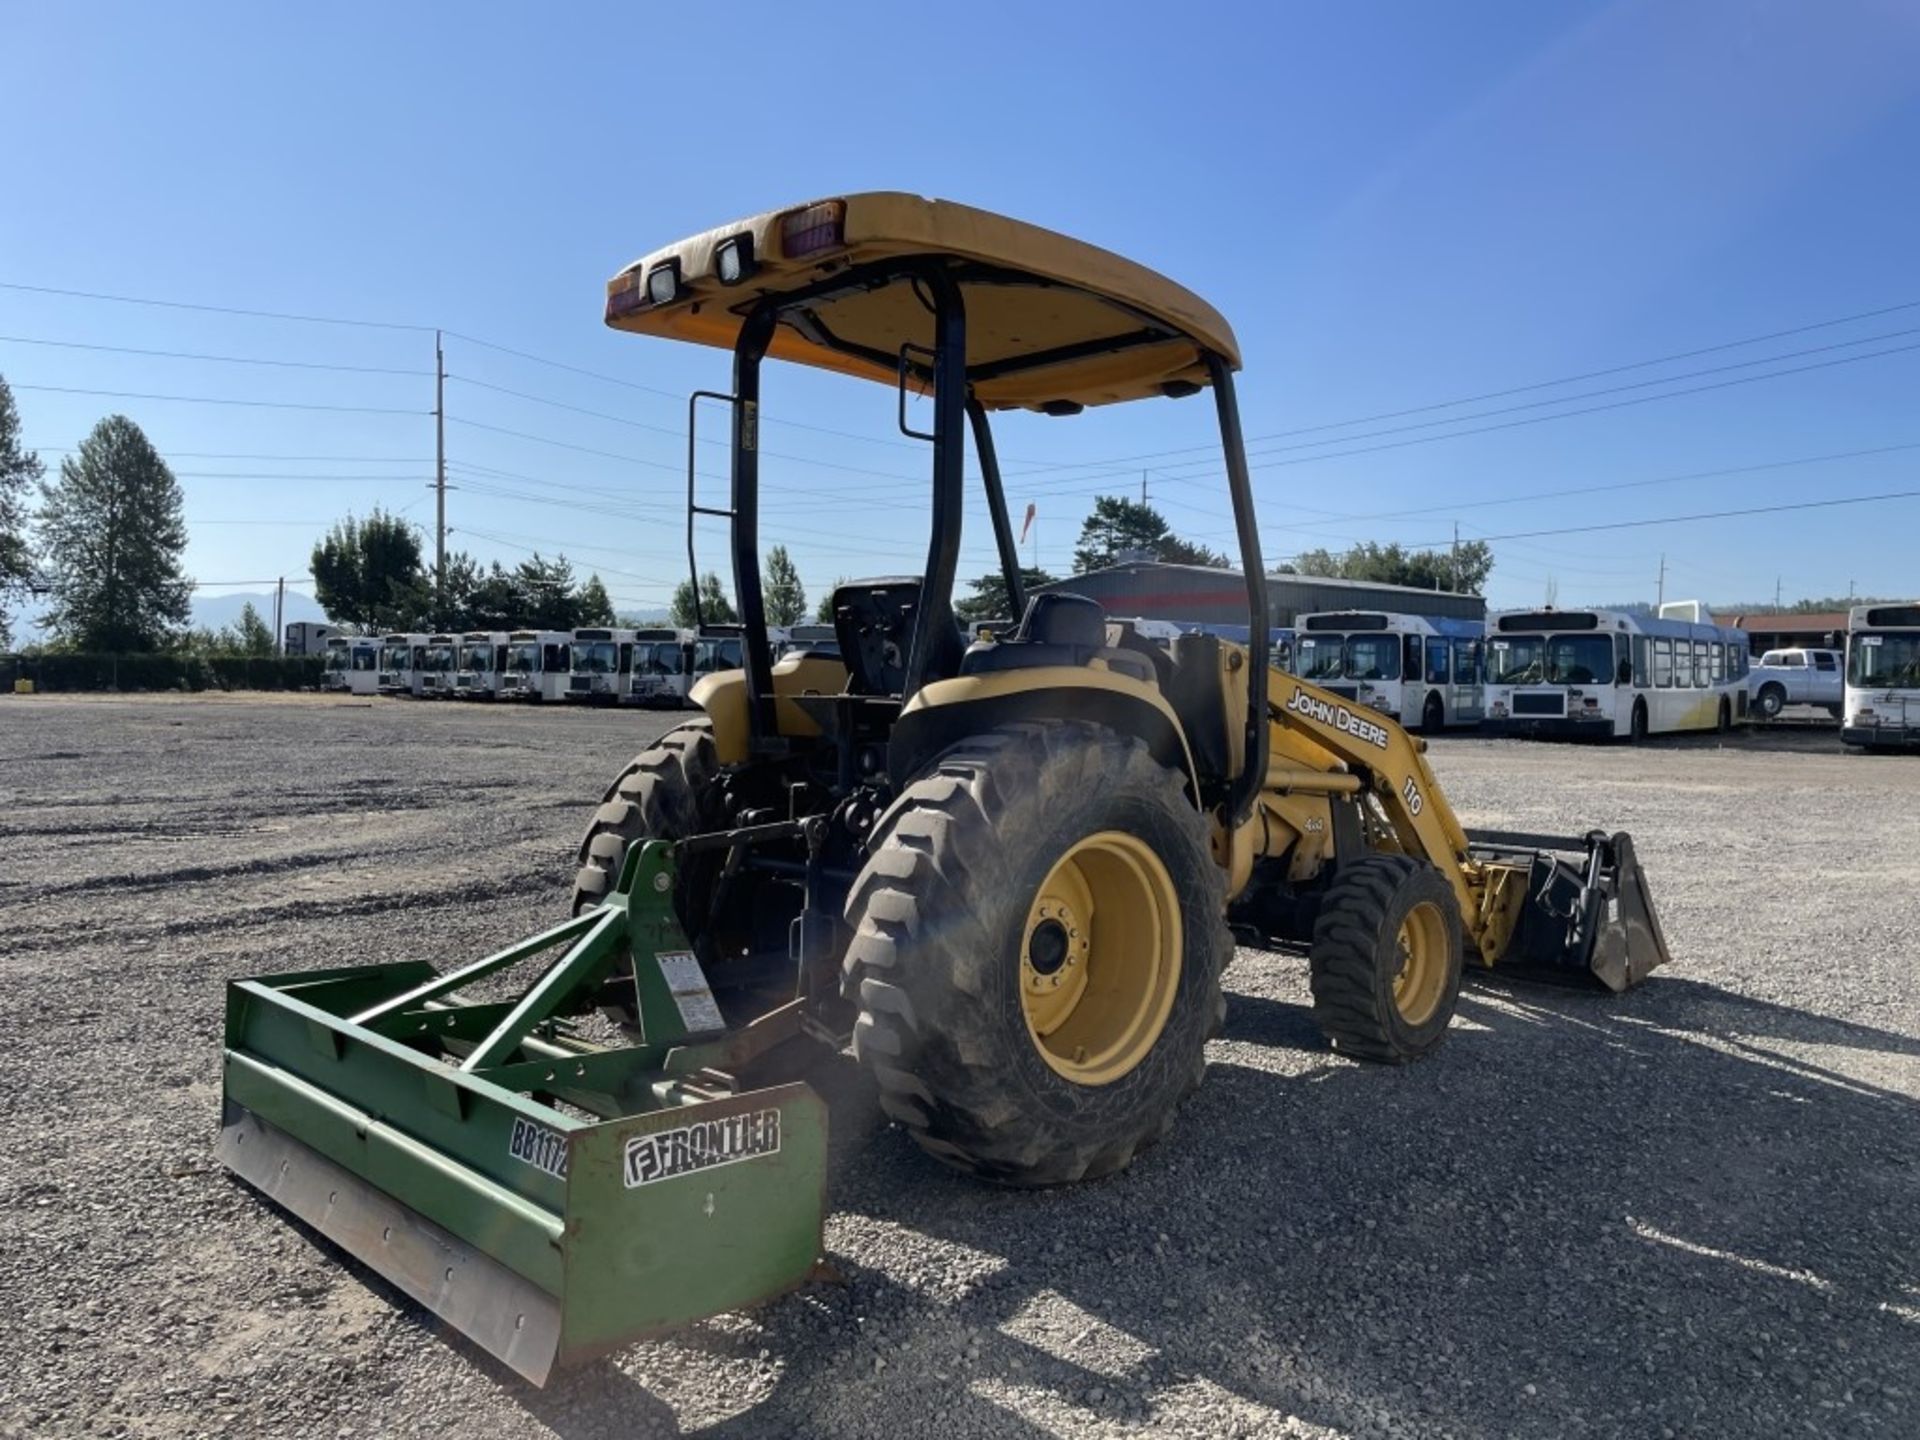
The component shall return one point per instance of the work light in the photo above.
(663, 283)
(733, 262)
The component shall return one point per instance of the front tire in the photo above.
(1637, 726)
(1386, 957)
(1433, 716)
(1770, 702)
(1038, 938)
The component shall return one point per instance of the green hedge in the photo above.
(61, 673)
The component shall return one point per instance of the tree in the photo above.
(786, 600)
(547, 597)
(1118, 525)
(594, 606)
(19, 470)
(823, 613)
(489, 600)
(1465, 571)
(989, 599)
(368, 574)
(250, 635)
(113, 532)
(715, 607)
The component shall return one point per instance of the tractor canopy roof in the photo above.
(1052, 323)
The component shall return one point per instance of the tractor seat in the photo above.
(1058, 629)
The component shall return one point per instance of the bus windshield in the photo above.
(664, 659)
(597, 657)
(1888, 661)
(1321, 657)
(524, 658)
(336, 657)
(477, 657)
(1373, 657)
(440, 657)
(1515, 659)
(1580, 660)
(395, 657)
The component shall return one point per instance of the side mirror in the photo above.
(1624, 674)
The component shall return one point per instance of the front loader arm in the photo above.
(1310, 727)
(1521, 903)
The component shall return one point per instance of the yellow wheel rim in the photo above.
(1421, 981)
(1100, 958)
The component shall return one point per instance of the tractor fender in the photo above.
(945, 712)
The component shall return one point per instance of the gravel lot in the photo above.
(1690, 1211)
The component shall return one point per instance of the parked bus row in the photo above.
(1542, 673)
(597, 665)
(1599, 674)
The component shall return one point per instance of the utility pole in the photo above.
(1453, 565)
(1776, 592)
(280, 618)
(1143, 489)
(1660, 594)
(439, 480)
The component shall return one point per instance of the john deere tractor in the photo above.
(1009, 874)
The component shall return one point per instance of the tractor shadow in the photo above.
(1592, 1215)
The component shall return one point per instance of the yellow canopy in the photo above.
(1051, 321)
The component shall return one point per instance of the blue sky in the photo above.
(1397, 205)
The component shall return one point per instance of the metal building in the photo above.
(1197, 594)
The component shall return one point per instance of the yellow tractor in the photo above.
(1013, 871)
(1009, 873)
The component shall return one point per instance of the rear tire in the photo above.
(1637, 726)
(987, 1062)
(1724, 722)
(1385, 962)
(667, 793)
(1771, 700)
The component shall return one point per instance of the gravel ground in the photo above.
(1689, 1211)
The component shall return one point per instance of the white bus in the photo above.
(600, 665)
(1883, 676)
(662, 667)
(1601, 674)
(352, 664)
(439, 659)
(536, 665)
(400, 664)
(482, 665)
(1424, 670)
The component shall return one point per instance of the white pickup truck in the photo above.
(1797, 677)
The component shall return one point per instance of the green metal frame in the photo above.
(425, 1134)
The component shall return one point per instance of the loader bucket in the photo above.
(548, 1198)
(1585, 920)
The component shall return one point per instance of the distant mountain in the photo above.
(216, 612)
(634, 619)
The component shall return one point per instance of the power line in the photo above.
(1520, 389)
(673, 395)
(221, 359)
(569, 445)
(677, 434)
(1710, 515)
(1636, 385)
(289, 459)
(212, 309)
(217, 400)
(1570, 414)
